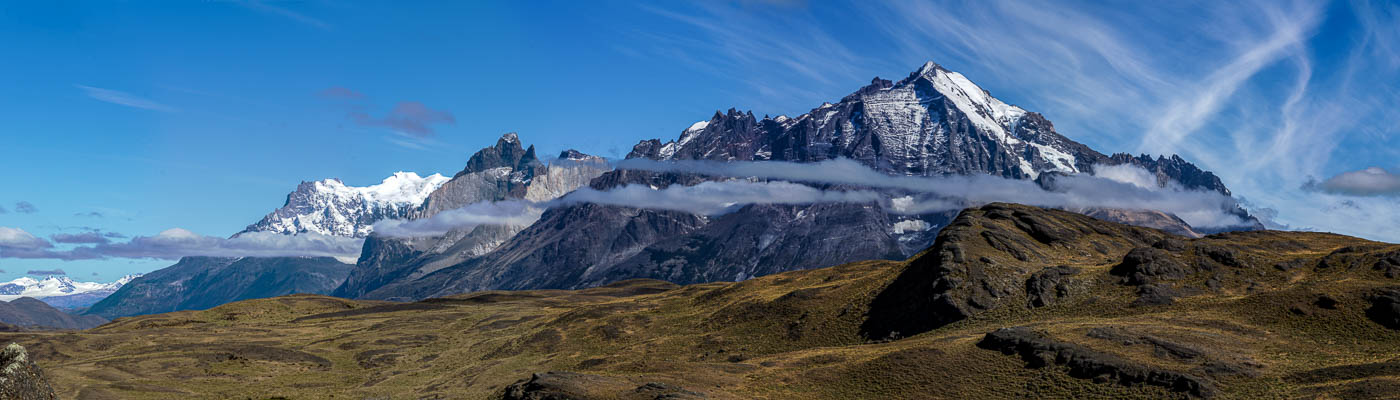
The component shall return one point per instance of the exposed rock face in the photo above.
(21, 378)
(1039, 350)
(36, 314)
(503, 172)
(197, 283)
(574, 237)
(507, 153)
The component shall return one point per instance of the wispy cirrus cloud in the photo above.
(1265, 94)
(270, 9)
(124, 99)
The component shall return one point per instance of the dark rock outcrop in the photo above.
(1039, 350)
(559, 385)
(1155, 295)
(1048, 285)
(1145, 265)
(1385, 307)
(21, 378)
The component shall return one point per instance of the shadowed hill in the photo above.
(30, 313)
(1011, 301)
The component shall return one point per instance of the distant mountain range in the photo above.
(935, 122)
(61, 291)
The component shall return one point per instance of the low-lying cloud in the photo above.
(175, 243)
(42, 272)
(1120, 187)
(715, 198)
(511, 212)
(706, 198)
(1373, 181)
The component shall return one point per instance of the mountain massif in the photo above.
(1023, 301)
(935, 122)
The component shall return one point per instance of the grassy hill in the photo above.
(1011, 301)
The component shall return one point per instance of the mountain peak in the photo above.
(509, 137)
(929, 66)
(330, 207)
(506, 153)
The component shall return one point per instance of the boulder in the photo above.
(20, 377)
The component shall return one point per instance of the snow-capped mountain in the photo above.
(54, 286)
(933, 122)
(329, 207)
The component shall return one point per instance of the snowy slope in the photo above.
(934, 122)
(329, 207)
(57, 286)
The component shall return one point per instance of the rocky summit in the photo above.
(1026, 302)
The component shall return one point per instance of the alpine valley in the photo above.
(559, 295)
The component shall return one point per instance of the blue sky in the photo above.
(137, 117)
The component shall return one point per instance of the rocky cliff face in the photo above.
(506, 171)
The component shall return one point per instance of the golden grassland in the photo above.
(794, 335)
